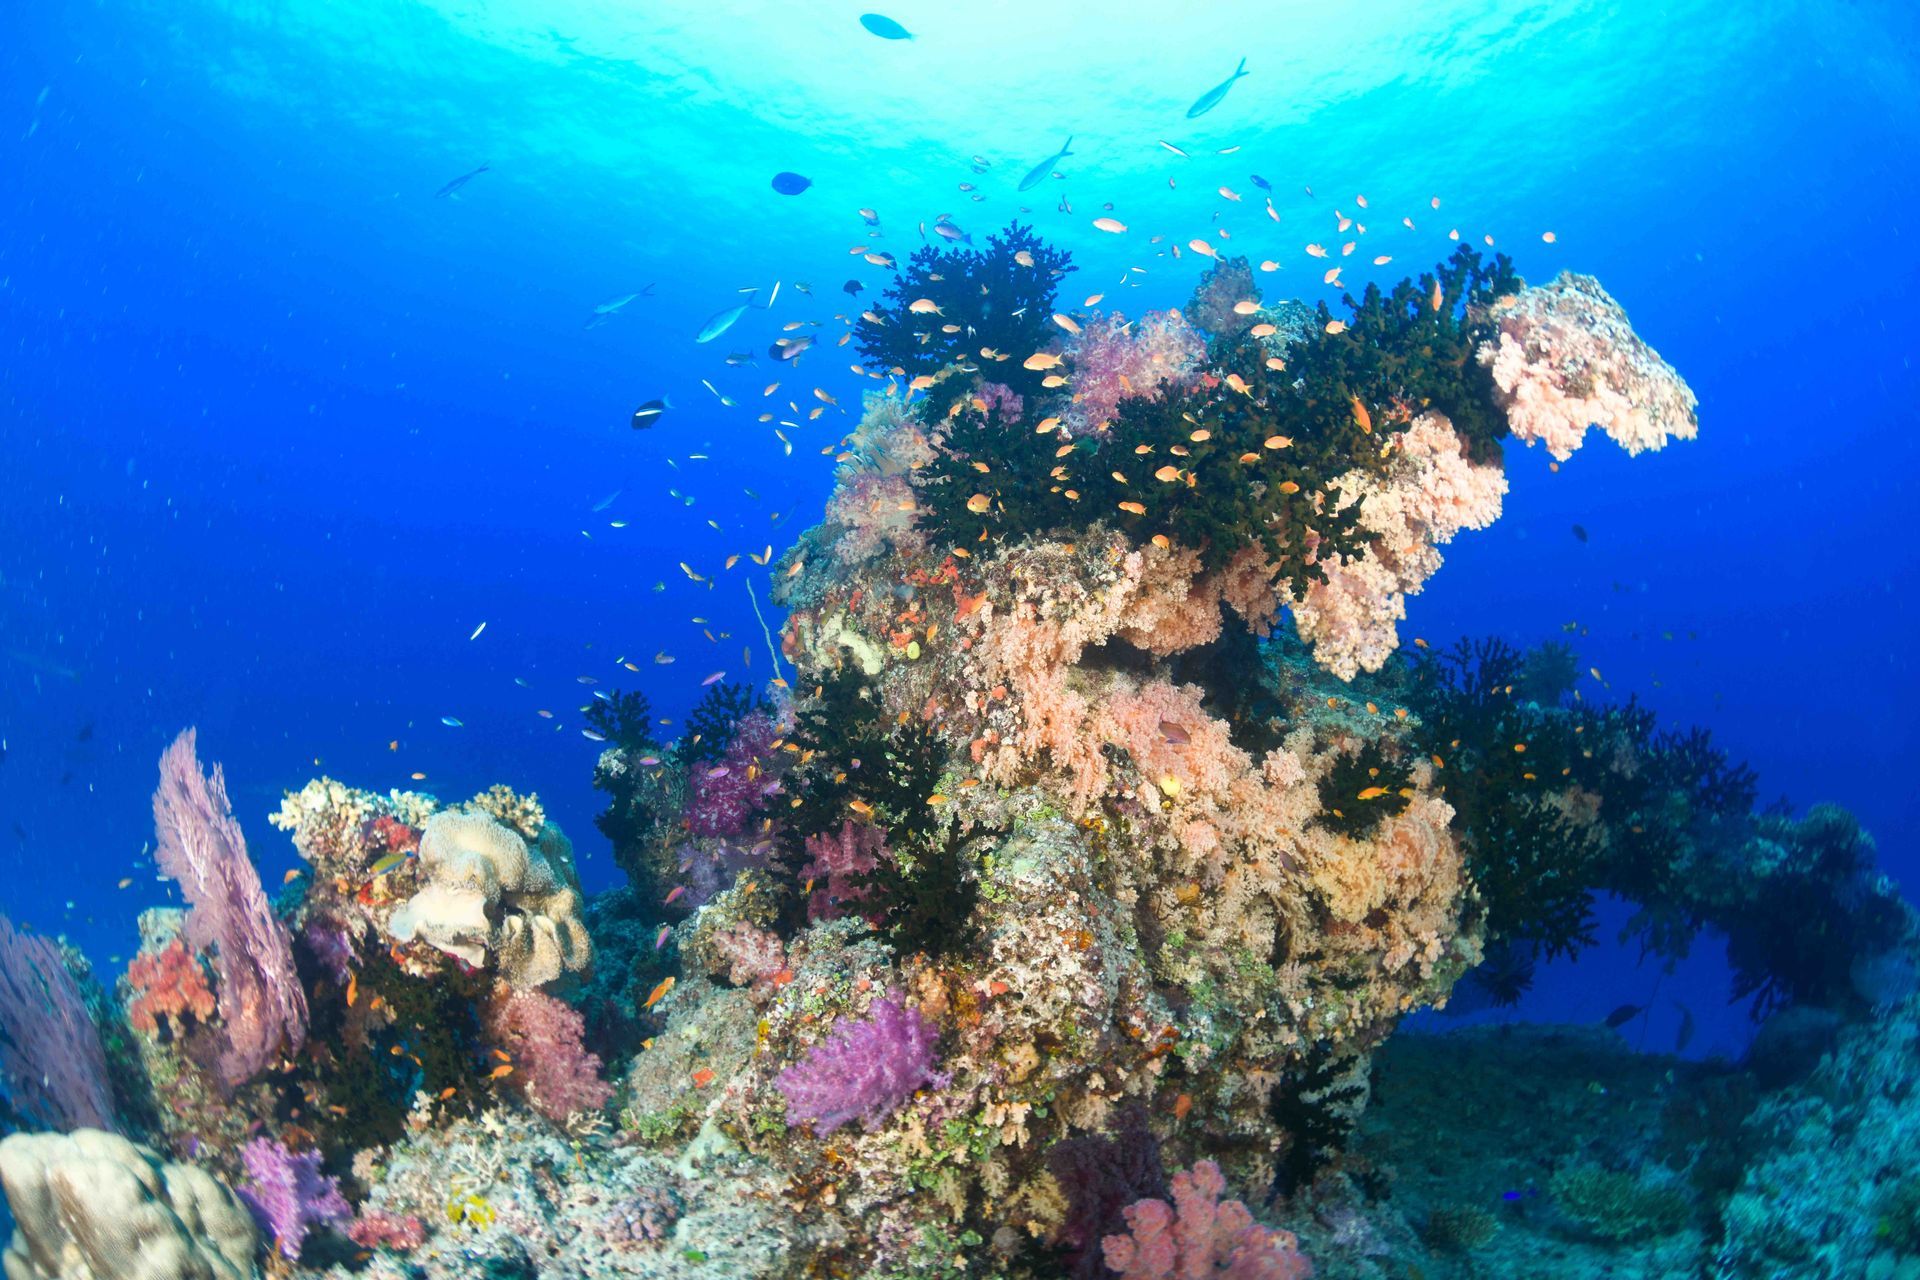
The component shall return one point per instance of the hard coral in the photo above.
(1197, 1237)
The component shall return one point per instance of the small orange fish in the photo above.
(1361, 417)
(658, 993)
(353, 989)
(1182, 1105)
(447, 1092)
(1316, 251)
(1138, 509)
(1336, 327)
(1435, 300)
(501, 1072)
(1372, 793)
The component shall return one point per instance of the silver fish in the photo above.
(1038, 174)
(721, 321)
(1211, 98)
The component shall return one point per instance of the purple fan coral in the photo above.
(287, 1193)
(725, 796)
(50, 1054)
(862, 1070)
(263, 1009)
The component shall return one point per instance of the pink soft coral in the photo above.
(1199, 1238)
(1113, 359)
(1431, 491)
(838, 860)
(544, 1037)
(723, 797)
(1567, 359)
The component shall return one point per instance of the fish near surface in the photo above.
(884, 27)
(1038, 174)
(1211, 98)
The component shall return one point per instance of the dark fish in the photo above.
(1624, 1014)
(1684, 1036)
(1211, 98)
(852, 288)
(1038, 174)
(1261, 182)
(19, 833)
(649, 413)
(1580, 532)
(85, 734)
(460, 182)
(791, 184)
(884, 27)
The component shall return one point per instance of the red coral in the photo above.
(551, 1064)
(1199, 1238)
(394, 836)
(171, 984)
(377, 1229)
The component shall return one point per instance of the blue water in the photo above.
(280, 428)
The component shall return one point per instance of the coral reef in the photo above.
(1061, 863)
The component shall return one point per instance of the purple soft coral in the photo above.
(287, 1193)
(862, 1070)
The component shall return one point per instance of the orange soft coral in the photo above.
(169, 983)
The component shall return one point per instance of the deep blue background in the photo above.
(279, 428)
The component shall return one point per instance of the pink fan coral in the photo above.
(263, 1009)
(1567, 359)
(1199, 1238)
(1430, 493)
